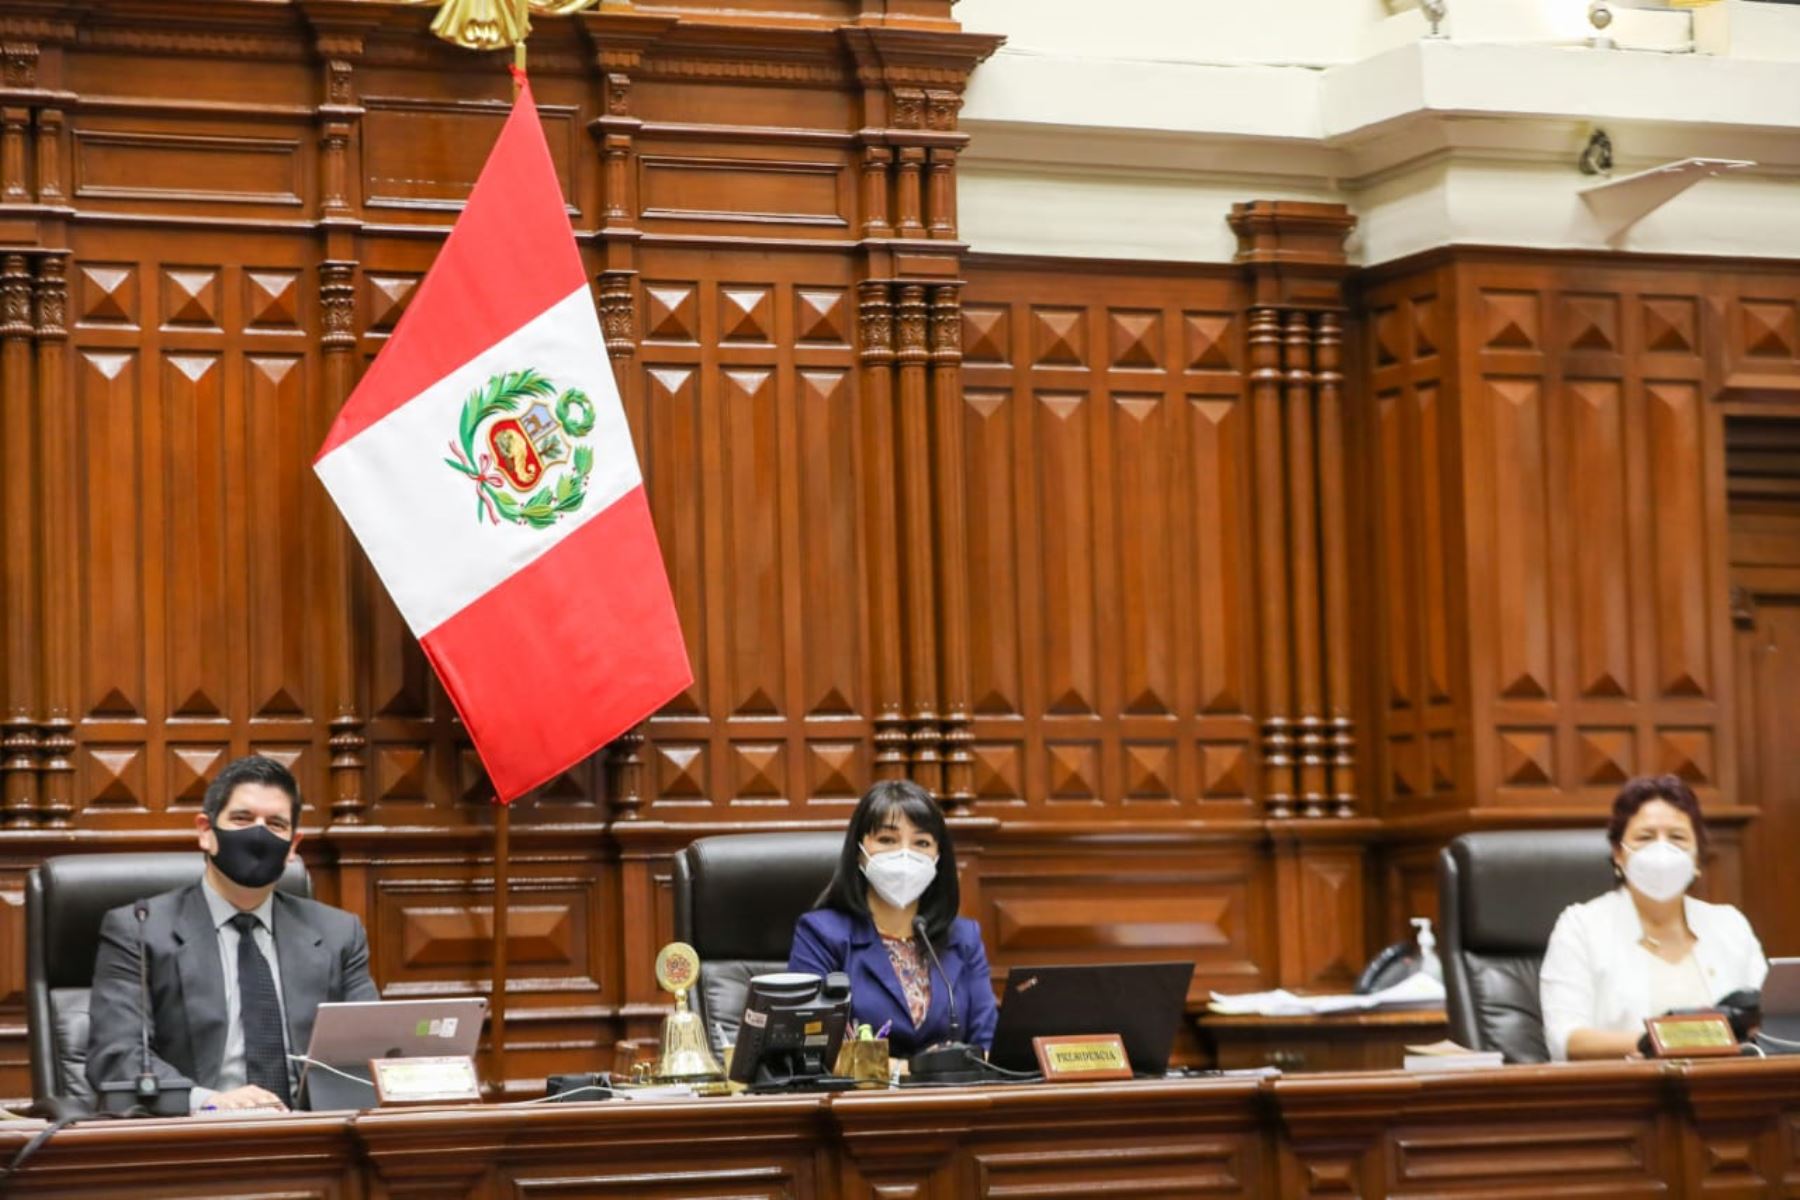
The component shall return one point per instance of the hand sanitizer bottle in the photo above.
(1428, 958)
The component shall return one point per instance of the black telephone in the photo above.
(1399, 961)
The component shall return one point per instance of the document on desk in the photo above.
(1415, 991)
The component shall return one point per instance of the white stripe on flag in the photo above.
(418, 519)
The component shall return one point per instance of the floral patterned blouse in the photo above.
(914, 973)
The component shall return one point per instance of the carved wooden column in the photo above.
(1271, 559)
(1294, 254)
(875, 352)
(1303, 565)
(918, 585)
(60, 496)
(1328, 348)
(952, 544)
(339, 120)
(19, 516)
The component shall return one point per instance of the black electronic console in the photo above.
(793, 1026)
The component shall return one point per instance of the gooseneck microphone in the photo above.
(147, 1086)
(949, 991)
(147, 1095)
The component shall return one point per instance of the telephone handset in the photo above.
(1399, 961)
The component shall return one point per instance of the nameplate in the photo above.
(447, 1080)
(1692, 1035)
(1082, 1057)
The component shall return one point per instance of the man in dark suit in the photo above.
(237, 969)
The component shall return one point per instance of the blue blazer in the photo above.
(827, 940)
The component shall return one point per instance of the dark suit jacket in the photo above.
(827, 940)
(321, 950)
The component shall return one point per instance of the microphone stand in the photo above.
(954, 1061)
(146, 1095)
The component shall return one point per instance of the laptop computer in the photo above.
(1781, 1000)
(1141, 1002)
(347, 1034)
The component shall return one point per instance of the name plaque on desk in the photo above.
(1082, 1057)
(1692, 1035)
(447, 1080)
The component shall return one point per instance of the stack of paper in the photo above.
(1415, 991)
(1448, 1056)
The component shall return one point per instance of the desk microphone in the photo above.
(147, 1095)
(950, 992)
(953, 1061)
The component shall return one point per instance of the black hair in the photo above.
(1671, 790)
(848, 891)
(252, 768)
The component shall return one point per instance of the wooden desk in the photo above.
(1616, 1130)
(1373, 1041)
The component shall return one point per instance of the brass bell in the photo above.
(685, 1057)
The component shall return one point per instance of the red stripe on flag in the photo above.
(568, 653)
(510, 256)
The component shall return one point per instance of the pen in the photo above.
(883, 1031)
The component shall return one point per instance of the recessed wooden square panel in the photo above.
(272, 299)
(1527, 757)
(835, 770)
(1149, 770)
(450, 928)
(759, 771)
(1687, 753)
(190, 768)
(1590, 321)
(1769, 328)
(386, 297)
(997, 771)
(1388, 335)
(400, 772)
(680, 770)
(190, 296)
(112, 777)
(1510, 320)
(1207, 340)
(1224, 770)
(1135, 338)
(1059, 337)
(1605, 757)
(671, 311)
(821, 315)
(985, 333)
(1425, 326)
(1670, 324)
(1073, 770)
(746, 313)
(106, 293)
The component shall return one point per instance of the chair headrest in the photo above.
(1513, 884)
(75, 891)
(743, 892)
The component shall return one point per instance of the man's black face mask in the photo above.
(252, 857)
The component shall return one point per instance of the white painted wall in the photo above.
(1171, 110)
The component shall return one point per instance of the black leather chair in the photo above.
(1499, 895)
(737, 897)
(65, 899)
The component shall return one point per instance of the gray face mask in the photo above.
(253, 857)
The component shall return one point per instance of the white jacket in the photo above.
(1596, 975)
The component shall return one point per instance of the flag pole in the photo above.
(503, 823)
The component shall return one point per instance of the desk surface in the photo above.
(1615, 1129)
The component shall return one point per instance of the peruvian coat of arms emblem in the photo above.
(521, 444)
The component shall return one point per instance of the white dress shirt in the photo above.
(232, 1071)
(1597, 974)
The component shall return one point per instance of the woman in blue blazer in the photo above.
(896, 880)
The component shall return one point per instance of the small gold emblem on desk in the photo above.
(447, 1080)
(686, 1058)
(1692, 1035)
(1082, 1057)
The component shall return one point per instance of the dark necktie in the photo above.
(265, 1051)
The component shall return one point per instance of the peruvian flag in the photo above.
(485, 465)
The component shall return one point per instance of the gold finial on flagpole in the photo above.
(494, 24)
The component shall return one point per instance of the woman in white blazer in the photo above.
(1646, 946)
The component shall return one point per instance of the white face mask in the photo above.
(1661, 870)
(899, 876)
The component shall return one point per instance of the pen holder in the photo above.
(864, 1061)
